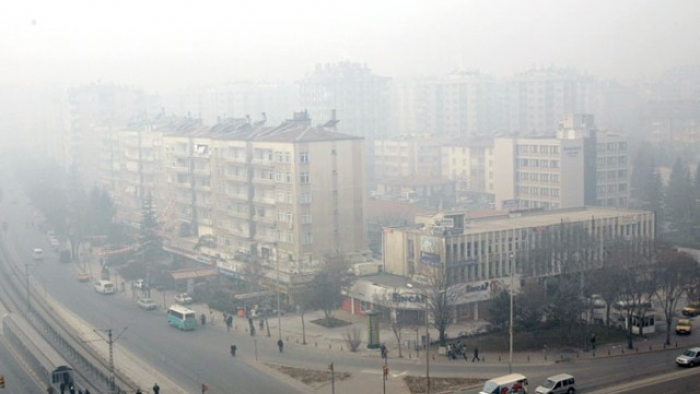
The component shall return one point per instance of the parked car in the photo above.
(83, 277)
(689, 358)
(37, 254)
(692, 309)
(146, 303)
(683, 326)
(183, 298)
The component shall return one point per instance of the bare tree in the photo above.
(390, 313)
(634, 283)
(304, 300)
(353, 338)
(440, 297)
(673, 272)
(532, 306)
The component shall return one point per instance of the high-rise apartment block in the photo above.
(292, 193)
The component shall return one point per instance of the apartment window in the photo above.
(622, 187)
(304, 157)
(304, 177)
(284, 217)
(279, 176)
(555, 193)
(288, 175)
(554, 163)
(622, 173)
(305, 198)
(306, 218)
(307, 238)
(554, 149)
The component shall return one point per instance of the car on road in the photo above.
(146, 303)
(562, 383)
(689, 358)
(692, 309)
(83, 277)
(183, 298)
(683, 326)
(55, 243)
(37, 254)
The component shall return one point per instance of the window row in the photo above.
(537, 177)
(538, 191)
(538, 163)
(542, 149)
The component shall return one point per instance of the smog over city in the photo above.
(364, 196)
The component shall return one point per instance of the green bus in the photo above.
(182, 318)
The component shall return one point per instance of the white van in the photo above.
(104, 287)
(562, 383)
(514, 383)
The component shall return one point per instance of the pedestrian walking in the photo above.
(156, 389)
(280, 344)
(203, 319)
(233, 350)
(593, 341)
(229, 322)
(476, 354)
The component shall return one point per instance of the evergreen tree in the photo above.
(680, 199)
(151, 243)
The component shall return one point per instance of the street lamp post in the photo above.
(279, 313)
(510, 328)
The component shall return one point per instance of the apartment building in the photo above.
(290, 194)
(469, 163)
(580, 166)
(539, 98)
(407, 156)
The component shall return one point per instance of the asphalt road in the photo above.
(17, 381)
(188, 358)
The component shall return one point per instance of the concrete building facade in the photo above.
(484, 254)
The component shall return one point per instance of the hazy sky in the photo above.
(169, 44)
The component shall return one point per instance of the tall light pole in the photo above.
(427, 347)
(510, 328)
(279, 313)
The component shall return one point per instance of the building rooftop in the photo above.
(545, 218)
(529, 219)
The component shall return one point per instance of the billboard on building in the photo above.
(429, 254)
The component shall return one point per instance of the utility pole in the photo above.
(427, 348)
(510, 328)
(332, 368)
(110, 342)
(279, 313)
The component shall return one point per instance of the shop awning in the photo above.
(194, 273)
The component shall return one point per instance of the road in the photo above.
(17, 381)
(188, 358)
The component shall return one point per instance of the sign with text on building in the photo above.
(429, 253)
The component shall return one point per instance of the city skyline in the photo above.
(165, 48)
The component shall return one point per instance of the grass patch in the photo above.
(416, 384)
(553, 337)
(331, 323)
(310, 377)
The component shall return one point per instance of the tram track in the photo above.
(88, 364)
